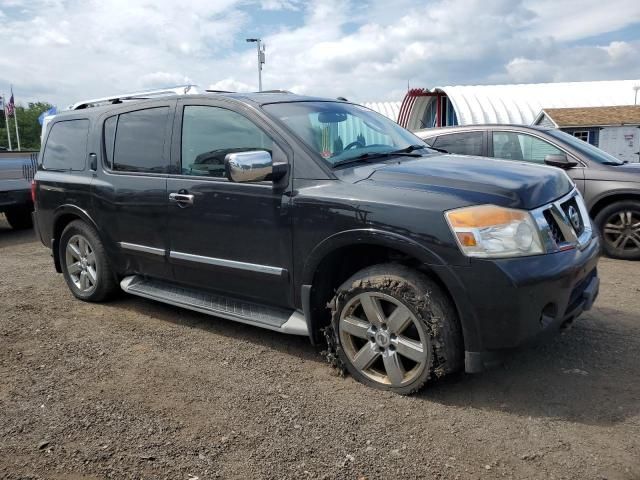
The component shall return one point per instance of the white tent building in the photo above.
(520, 103)
(388, 109)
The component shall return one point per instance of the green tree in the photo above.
(28, 126)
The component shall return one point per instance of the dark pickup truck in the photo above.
(320, 218)
(16, 173)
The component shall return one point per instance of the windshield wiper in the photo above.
(441, 150)
(406, 152)
(408, 149)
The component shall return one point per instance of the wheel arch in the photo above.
(340, 256)
(63, 216)
(607, 198)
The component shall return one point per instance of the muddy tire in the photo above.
(619, 228)
(19, 218)
(84, 263)
(395, 328)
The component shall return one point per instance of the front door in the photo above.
(529, 148)
(232, 238)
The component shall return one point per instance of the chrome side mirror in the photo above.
(254, 166)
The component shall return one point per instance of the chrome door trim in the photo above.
(142, 248)
(222, 262)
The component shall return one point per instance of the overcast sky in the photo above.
(61, 51)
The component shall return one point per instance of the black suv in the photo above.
(315, 217)
(611, 188)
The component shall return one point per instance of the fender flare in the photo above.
(67, 209)
(612, 193)
(371, 236)
(366, 236)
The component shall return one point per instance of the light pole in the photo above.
(636, 88)
(258, 42)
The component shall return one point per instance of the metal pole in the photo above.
(259, 66)
(6, 121)
(260, 51)
(15, 119)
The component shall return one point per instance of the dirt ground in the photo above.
(137, 389)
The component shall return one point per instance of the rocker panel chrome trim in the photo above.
(221, 262)
(142, 248)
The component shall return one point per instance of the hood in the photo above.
(474, 180)
(629, 172)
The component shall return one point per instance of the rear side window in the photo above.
(467, 143)
(66, 147)
(109, 138)
(134, 141)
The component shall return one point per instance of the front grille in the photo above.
(572, 211)
(554, 229)
(558, 230)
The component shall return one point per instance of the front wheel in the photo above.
(84, 263)
(619, 226)
(395, 328)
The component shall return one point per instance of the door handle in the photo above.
(182, 199)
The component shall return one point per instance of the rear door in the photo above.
(130, 191)
(233, 238)
(463, 143)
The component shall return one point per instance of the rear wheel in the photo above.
(84, 263)
(619, 226)
(395, 328)
(19, 218)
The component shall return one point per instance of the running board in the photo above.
(251, 313)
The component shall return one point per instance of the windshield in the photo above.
(593, 153)
(340, 131)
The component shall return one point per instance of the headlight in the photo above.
(492, 231)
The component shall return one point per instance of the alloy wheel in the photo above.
(622, 231)
(81, 264)
(383, 340)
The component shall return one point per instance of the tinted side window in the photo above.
(210, 133)
(109, 139)
(467, 143)
(139, 141)
(519, 146)
(66, 147)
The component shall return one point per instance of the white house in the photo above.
(616, 130)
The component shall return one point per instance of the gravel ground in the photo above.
(137, 389)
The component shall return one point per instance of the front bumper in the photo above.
(510, 302)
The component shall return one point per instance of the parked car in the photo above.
(315, 217)
(611, 188)
(16, 172)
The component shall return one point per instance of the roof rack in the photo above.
(142, 95)
(218, 91)
(274, 91)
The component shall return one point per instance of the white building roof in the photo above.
(388, 109)
(521, 103)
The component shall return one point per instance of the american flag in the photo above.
(10, 107)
